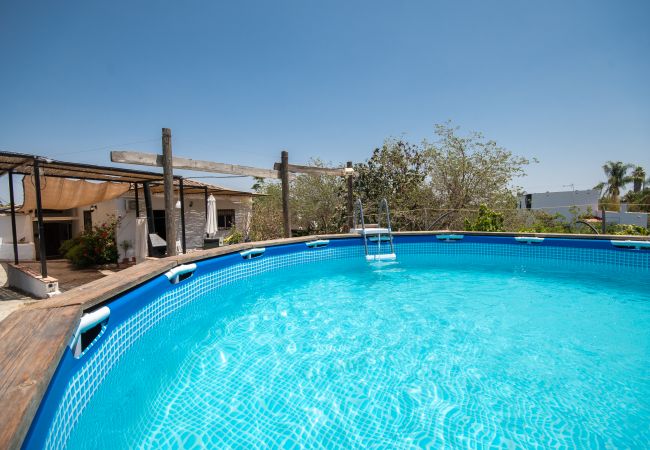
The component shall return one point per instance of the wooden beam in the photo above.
(350, 199)
(286, 214)
(295, 168)
(168, 175)
(151, 159)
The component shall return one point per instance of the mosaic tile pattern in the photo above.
(116, 342)
(629, 259)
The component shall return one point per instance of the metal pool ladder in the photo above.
(375, 232)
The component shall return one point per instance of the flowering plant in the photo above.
(93, 247)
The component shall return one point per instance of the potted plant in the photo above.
(126, 245)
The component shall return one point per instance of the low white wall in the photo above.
(32, 283)
(626, 218)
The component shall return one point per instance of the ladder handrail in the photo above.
(383, 207)
(358, 214)
(358, 211)
(359, 219)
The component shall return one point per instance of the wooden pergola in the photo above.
(37, 166)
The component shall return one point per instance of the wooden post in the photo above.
(168, 176)
(284, 174)
(181, 194)
(350, 205)
(13, 215)
(151, 226)
(137, 201)
(205, 198)
(603, 226)
(39, 217)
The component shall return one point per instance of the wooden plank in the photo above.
(31, 344)
(151, 159)
(296, 168)
(107, 288)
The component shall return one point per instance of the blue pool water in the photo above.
(440, 351)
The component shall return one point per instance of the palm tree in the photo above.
(617, 178)
(638, 176)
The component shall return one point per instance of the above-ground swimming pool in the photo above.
(470, 343)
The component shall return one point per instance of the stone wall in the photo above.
(194, 218)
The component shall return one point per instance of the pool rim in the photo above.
(29, 358)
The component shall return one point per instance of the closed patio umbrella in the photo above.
(211, 221)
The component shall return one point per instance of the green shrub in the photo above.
(547, 223)
(93, 247)
(487, 220)
(67, 245)
(234, 237)
(627, 230)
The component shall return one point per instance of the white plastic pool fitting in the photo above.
(252, 253)
(317, 243)
(449, 237)
(636, 245)
(174, 274)
(88, 321)
(529, 239)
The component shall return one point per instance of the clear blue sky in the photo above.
(564, 81)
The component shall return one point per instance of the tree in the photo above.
(318, 202)
(617, 178)
(468, 171)
(638, 177)
(396, 172)
(487, 220)
(638, 201)
(266, 220)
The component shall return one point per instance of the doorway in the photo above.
(159, 223)
(55, 233)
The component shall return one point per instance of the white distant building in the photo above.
(570, 204)
(566, 203)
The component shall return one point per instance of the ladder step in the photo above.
(383, 257)
(372, 231)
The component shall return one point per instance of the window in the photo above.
(88, 220)
(225, 218)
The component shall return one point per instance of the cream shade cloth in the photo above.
(63, 193)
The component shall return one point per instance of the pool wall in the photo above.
(140, 305)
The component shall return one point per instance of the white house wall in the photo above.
(194, 217)
(564, 203)
(24, 230)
